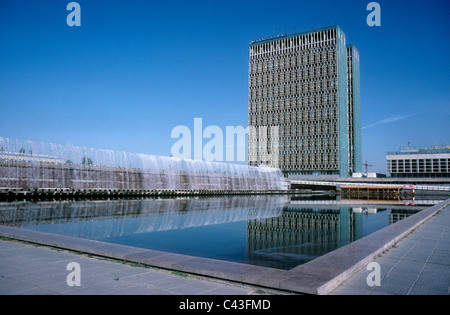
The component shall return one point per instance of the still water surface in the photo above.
(274, 231)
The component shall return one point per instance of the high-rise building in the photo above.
(354, 111)
(304, 104)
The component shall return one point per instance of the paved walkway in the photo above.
(417, 265)
(37, 270)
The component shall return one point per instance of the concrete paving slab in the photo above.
(98, 276)
(413, 265)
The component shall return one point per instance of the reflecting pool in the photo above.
(281, 231)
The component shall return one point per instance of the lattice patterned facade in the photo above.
(303, 233)
(354, 111)
(298, 103)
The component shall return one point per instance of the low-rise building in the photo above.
(419, 162)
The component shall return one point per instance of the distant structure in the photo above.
(419, 162)
(304, 104)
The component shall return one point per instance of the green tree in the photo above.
(87, 161)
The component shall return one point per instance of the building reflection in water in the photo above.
(306, 231)
(299, 235)
(273, 231)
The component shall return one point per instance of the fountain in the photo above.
(29, 165)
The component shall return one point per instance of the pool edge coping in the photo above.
(318, 277)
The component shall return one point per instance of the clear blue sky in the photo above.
(135, 69)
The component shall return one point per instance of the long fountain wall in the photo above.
(40, 165)
(25, 175)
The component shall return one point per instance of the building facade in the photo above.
(304, 104)
(419, 162)
(354, 111)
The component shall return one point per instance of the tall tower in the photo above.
(354, 111)
(299, 116)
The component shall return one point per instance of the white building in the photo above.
(423, 162)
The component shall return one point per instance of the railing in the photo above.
(416, 187)
(428, 187)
